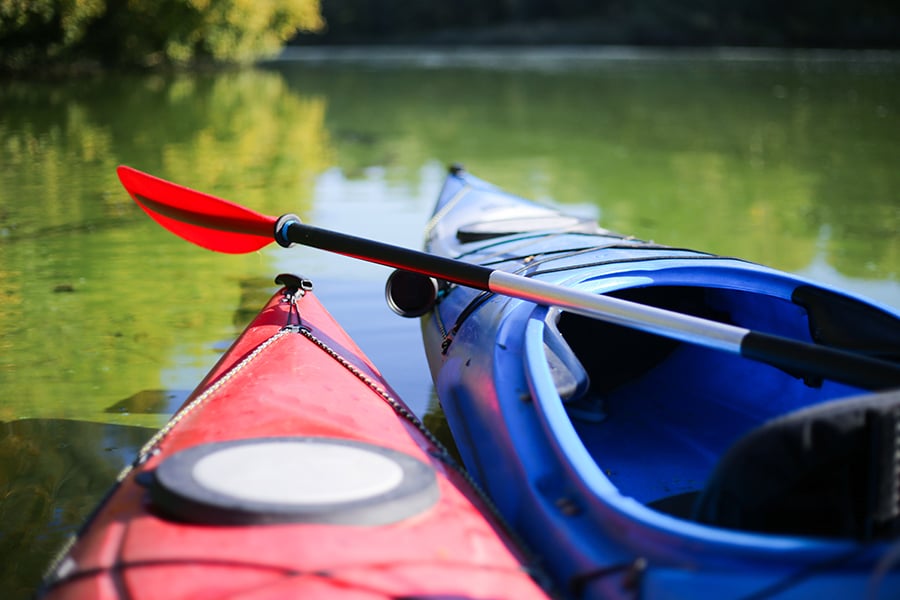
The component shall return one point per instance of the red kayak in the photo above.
(293, 471)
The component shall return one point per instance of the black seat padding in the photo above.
(826, 470)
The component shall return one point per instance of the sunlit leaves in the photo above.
(148, 32)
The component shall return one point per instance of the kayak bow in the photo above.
(293, 470)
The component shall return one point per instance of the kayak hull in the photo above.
(292, 471)
(596, 441)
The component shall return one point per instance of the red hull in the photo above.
(310, 384)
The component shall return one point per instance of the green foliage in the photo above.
(148, 32)
(784, 23)
(33, 31)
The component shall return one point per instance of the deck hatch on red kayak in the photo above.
(293, 479)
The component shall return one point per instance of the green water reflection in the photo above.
(759, 160)
(106, 323)
(52, 473)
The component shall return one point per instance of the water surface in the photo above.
(107, 321)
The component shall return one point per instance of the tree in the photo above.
(148, 32)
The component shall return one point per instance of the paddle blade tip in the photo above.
(200, 218)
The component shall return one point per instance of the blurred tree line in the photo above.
(35, 33)
(780, 23)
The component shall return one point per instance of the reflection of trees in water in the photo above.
(52, 474)
(436, 423)
(747, 158)
(235, 130)
(752, 147)
(150, 402)
(240, 134)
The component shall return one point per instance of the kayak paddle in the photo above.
(223, 226)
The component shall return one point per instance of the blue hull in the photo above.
(613, 452)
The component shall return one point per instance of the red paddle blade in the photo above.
(199, 218)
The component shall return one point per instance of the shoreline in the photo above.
(512, 56)
(550, 57)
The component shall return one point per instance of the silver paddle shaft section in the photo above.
(685, 328)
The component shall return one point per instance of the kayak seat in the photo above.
(828, 470)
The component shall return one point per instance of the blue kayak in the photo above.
(642, 466)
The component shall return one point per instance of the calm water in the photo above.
(107, 321)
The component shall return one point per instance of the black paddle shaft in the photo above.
(290, 230)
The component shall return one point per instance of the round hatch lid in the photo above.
(293, 479)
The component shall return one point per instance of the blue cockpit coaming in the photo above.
(663, 433)
(599, 492)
